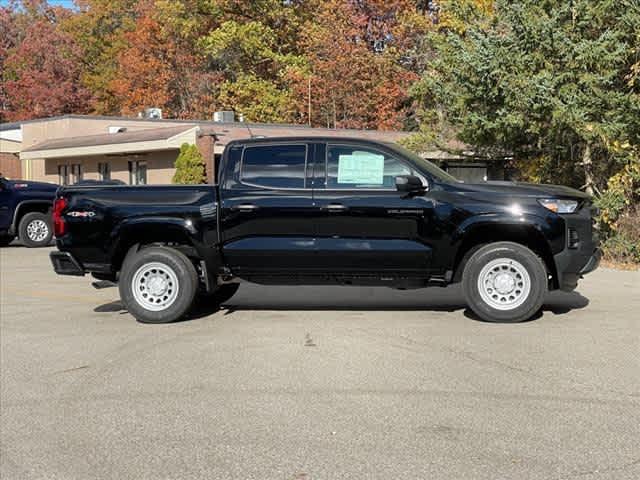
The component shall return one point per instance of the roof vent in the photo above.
(224, 116)
(152, 113)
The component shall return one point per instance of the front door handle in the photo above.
(246, 207)
(336, 207)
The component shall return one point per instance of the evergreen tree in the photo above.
(190, 167)
(553, 83)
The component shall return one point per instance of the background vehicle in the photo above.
(25, 212)
(327, 211)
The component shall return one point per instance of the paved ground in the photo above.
(316, 383)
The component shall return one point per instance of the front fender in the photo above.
(552, 231)
(544, 235)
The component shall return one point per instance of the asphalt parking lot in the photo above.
(315, 383)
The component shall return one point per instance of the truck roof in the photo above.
(311, 138)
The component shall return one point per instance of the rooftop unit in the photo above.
(224, 116)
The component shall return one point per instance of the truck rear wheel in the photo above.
(505, 282)
(158, 285)
(35, 229)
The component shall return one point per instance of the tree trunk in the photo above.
(587, 164)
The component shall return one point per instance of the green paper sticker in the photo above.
(361, 168)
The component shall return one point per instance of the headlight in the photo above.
(559, 206)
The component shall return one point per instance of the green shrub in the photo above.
(622, 249)
(619, 219)
(190, 167)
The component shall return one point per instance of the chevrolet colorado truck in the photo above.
(25, 212)
(326, 211)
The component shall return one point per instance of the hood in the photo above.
(31, 185)
(522, 189)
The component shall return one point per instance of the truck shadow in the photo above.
(450, 299)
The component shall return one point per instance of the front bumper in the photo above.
(581, 256)
(65, 264)
(593, 263)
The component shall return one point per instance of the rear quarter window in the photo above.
(274, 166)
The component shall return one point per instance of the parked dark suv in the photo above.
(25, 212)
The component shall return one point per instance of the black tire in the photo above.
(172, 261)
(518, 257)
(220, 295)
(6, 240)
(35, 230)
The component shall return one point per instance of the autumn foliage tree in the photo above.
(41, 64)
(355, 76)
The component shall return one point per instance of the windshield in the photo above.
(431, 168)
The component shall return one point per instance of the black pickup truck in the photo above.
(320, 211)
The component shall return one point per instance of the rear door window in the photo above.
(274, 166)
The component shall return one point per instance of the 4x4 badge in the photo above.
(81, 214)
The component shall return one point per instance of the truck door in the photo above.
(266, 208)
(364, 225)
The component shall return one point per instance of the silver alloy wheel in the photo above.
(504, 284)
(37, 230)
(155, 286)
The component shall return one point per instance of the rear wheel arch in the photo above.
(526, 235)
(133, 239)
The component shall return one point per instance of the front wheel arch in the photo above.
(526, 235)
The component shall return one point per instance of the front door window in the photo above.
(355, 167)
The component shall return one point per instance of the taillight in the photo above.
(59, 225)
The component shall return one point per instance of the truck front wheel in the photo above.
(158, 285)
(35, 229)
(505, 282)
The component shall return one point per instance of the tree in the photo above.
(357, 75)
(253, 48)
(190, 166)
(41, 65)
(99, 26)
(549, 82)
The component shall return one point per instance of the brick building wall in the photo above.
(10, 165)
(205, 143)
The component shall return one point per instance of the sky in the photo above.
(63, 3)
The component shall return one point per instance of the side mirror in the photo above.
(410, 184)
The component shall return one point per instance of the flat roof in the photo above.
(146, 135)
(13, 125)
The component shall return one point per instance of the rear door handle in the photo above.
(246, 207)
(336, 207)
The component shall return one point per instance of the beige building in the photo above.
(71, 148)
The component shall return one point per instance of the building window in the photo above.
(104, 171)
(63, 174)
(137, 173)
(274, 166)
(76, 173)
